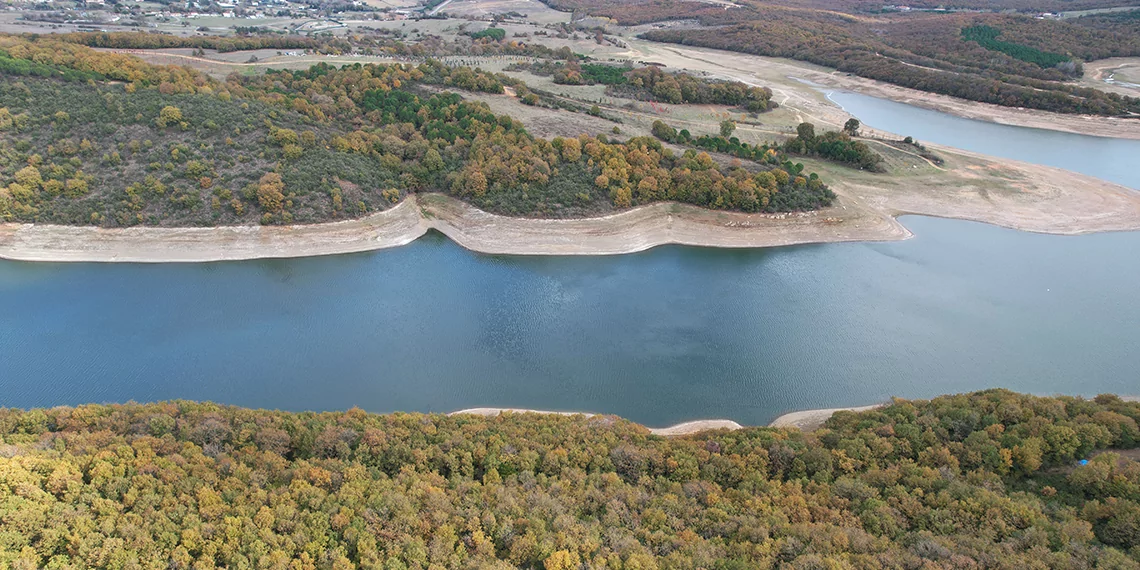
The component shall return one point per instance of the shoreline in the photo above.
(684, 428)
(630, 231)
(972, 187)
(811, 420)
(774, 71)
(1086, 125)
(804, 420)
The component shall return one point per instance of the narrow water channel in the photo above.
(1115, 160)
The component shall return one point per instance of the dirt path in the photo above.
(1125, 72)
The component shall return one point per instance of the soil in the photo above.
(686, 428)
(811, 420)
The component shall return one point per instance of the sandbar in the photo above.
(685, 428)
(811, 420)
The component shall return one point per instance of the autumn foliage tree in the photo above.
(913, 484)
(270, 195)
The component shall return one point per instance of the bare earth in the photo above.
(1116, 74)
(811, 420)
(805, 420)
(679, 429)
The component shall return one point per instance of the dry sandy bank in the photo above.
(626, 232)
(36, 242)
(679, 429)
(809, 420)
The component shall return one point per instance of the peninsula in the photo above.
(296, 173)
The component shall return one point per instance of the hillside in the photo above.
(985, 480)
(97, 138)
(987, 53)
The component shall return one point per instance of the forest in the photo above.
(983, 480)
(999, 58)
(987, 37)
(650, 83)
(106, 139)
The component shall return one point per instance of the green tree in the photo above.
(805, 132)
(663, 131)
(727, 126)
(270, 193)
(169, 115)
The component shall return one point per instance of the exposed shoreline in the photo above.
(684, 428)
(970, 186)
(805, 420)
(977, 188)
(810, 420)
(630, 231)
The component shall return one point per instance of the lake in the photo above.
(663, 336)
(671, 334)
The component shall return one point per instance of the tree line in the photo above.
(837, 146)
(928, 52)
(982, 480)
(165, 145)
(651, 83)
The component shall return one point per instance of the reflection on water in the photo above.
(663, 336)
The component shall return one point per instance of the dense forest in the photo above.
(101, 138)
(987, 37)
(983, 480)
(650, 83)
(989, 76)
(1004, 59)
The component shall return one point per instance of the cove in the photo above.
(1105, 158)
(663, 336)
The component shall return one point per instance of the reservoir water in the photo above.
(1110, 159)
(671, 334)
(668, 335)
